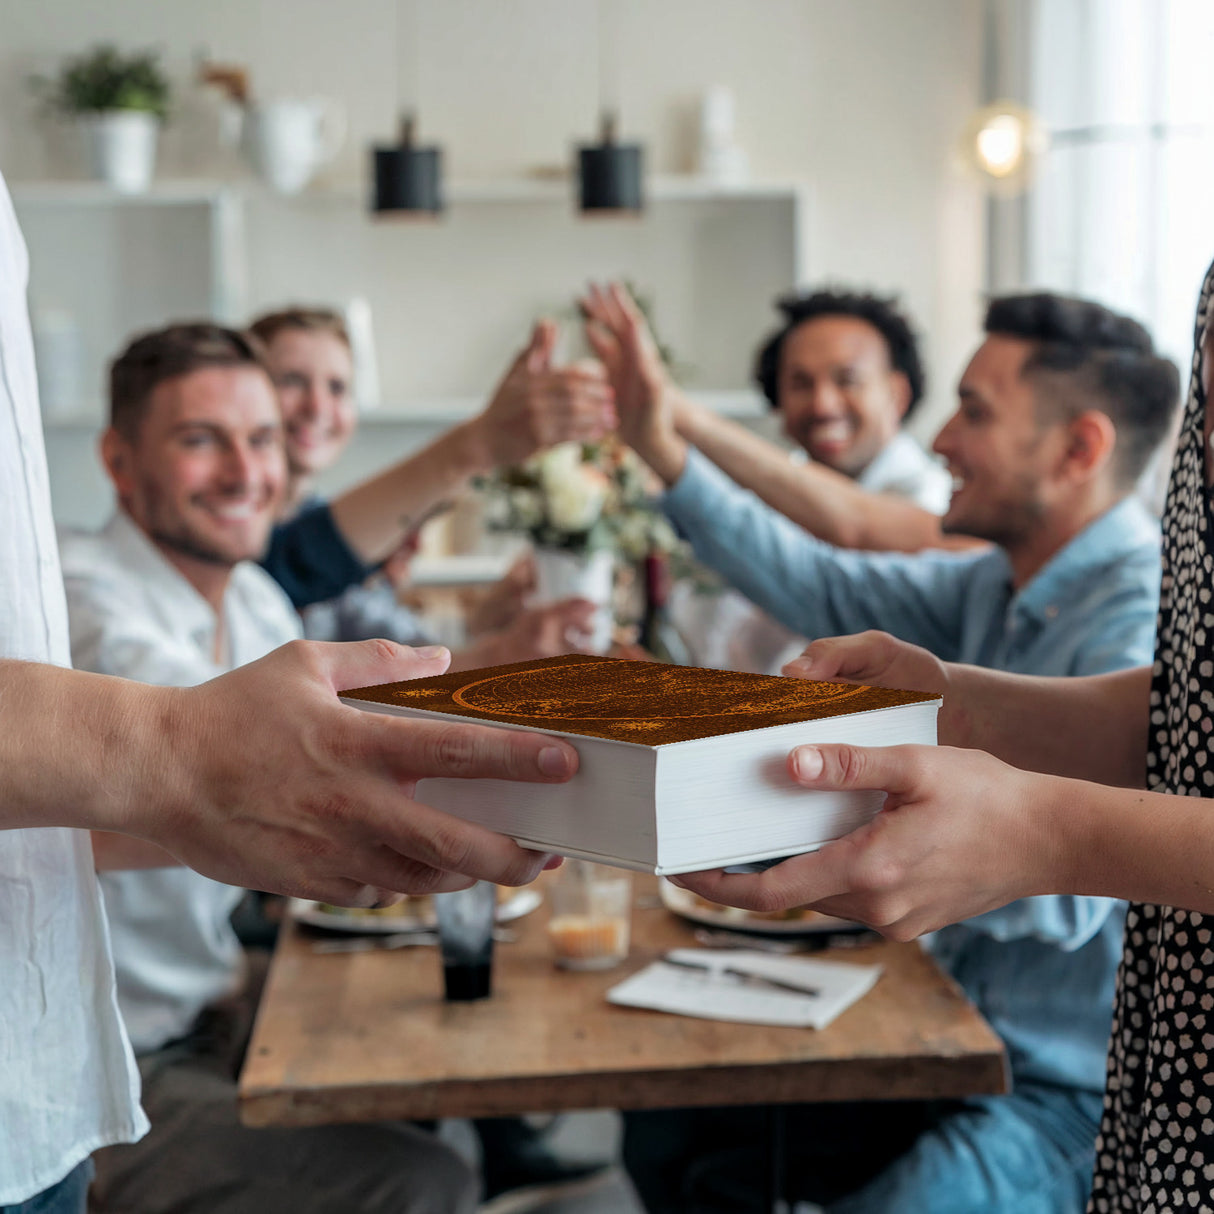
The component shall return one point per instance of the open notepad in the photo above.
(713, 984)
(680, 768)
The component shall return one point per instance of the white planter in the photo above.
(121, 147)
(566, 575)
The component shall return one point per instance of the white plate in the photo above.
(684, 902)
(420, 919)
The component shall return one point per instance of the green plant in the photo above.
(104, 78)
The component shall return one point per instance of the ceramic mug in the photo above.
(289, 139)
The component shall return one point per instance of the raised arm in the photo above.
(825, 502)
(262, 778)
(659, 419)
(534, 406)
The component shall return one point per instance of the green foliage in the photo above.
(104, 78)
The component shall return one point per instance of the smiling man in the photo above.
(1060, 409)
(168, 593)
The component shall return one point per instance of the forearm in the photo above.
(1092, 728)
(376, 515)
(825, 502)
(1127, 843)
(82, 750)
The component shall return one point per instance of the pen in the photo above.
(745, 975)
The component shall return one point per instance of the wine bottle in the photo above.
(658, 634)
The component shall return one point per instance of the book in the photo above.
(681, 768)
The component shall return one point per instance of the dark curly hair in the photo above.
(884, 316)
(1086, 356)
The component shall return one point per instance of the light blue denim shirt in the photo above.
(1040, 969)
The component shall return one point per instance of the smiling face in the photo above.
(204, 475)
(1001, 456)
(839, 397)
(313, 373)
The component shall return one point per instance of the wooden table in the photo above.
(368, 1037)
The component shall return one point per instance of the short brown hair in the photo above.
(153, 358)
(300, 319)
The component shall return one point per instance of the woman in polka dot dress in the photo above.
(963, 833)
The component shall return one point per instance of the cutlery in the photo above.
(713, 968)
(366, 944)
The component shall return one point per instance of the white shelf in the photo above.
(166, 192)
(677, 187)
(447, 411)
(470, 569)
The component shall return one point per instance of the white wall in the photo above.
(863, 99)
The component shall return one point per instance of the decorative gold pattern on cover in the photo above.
(651, 703)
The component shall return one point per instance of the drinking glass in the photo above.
(591, 916)
(465, 936)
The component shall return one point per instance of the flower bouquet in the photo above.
(584, 507)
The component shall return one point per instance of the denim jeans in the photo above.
(1031, 1152)
(69, 1196)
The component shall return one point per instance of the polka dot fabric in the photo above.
(1155, 1151)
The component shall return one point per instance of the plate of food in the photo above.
(414, 914)
(798, 921)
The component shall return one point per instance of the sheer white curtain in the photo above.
(1121, 208)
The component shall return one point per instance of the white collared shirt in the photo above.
(134, 615)
(68, 1083)
(904, 469)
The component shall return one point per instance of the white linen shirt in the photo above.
(68, 1083)
(133, 614)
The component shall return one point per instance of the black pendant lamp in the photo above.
(610, 173)
(408, 177)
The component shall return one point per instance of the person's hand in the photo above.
(269, 782)
(617, 333)
(870, 657)
(536, 632)
(957, 836)
(498, 606)
(537, 405)
(880, 660)
(397, 567)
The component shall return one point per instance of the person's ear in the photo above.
(1091, 438)
(118, 457)
(901, 389)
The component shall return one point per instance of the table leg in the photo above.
(778, 1161)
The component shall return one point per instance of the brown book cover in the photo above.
(650, 703)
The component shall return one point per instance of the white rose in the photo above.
(558, 463)
(575, 502)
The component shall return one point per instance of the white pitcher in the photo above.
(289, 139)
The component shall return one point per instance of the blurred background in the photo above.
(941, 150)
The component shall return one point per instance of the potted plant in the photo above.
(119, 100)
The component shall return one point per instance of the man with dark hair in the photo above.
(883, 392)
(168, 593)
(1059, 410)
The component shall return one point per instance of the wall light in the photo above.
(1002, 143)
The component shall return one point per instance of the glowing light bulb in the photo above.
(1000, 145)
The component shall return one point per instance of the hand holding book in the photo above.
(954, 839)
